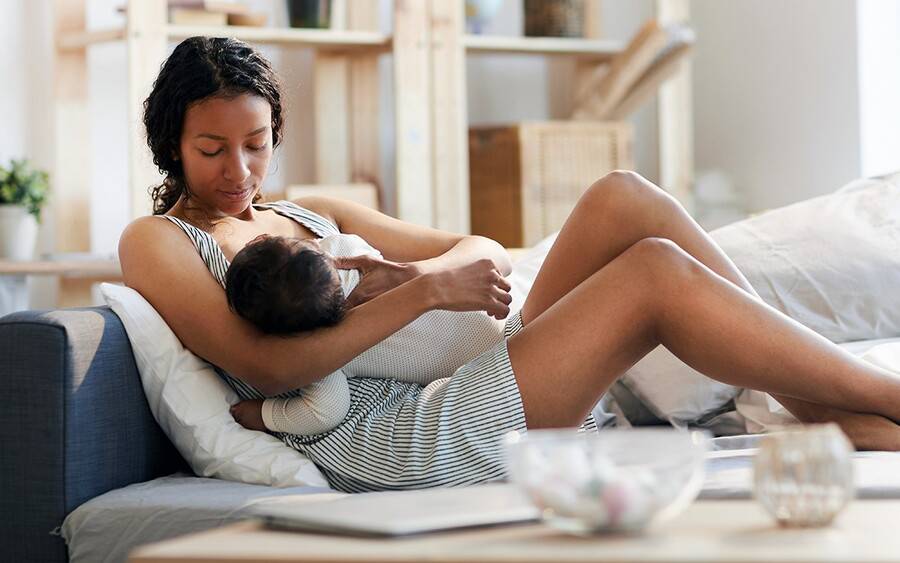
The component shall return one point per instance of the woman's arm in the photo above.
(162, 265)
(427, 249)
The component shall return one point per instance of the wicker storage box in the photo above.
(526, 178)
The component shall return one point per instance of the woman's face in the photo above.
(226, 146)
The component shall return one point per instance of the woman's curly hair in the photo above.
(200, 68)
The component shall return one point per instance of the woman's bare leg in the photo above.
(655, 293)
(619, 210)
(614, 213)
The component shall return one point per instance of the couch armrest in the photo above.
(74, 423)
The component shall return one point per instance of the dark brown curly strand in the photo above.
(200, 68)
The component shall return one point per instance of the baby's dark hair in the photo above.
(283, 289)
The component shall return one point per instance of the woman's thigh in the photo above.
(568, 356)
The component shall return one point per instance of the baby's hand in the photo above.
(249, 414)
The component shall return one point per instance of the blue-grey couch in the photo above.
(75, 424)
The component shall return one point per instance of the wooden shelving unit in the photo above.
(429, 47)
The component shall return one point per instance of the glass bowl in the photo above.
(620, 480)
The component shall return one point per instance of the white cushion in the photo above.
(832, 262)
(191, 404)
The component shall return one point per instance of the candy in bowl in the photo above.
(620, 480)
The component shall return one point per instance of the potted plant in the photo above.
(23, 191)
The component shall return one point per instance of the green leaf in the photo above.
(22, 185)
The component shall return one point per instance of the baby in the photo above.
(289, 285)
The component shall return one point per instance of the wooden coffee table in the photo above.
(707, 531)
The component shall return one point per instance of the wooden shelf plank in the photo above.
(75, 40)
(95, 268)
(583, 48)
(325, 38)
(317, 38)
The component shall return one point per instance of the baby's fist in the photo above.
(249, 414)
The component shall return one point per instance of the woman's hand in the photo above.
(474, 287)
(249, 414)
(375, 276)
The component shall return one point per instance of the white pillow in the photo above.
(832, 262)
(191, 404)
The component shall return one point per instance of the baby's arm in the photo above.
(323, 405)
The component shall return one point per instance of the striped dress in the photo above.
(400, 435)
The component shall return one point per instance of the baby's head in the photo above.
(284, 286)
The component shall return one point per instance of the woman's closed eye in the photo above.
(254, 148)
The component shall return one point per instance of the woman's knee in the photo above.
(664, 264)
(625, 194)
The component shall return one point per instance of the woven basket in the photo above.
(525, 179)
(554, 18)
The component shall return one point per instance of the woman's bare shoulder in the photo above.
(146, 236)
(148, 226)
(321, 205)
(153, 251)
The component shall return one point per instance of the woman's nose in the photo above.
(236, 169)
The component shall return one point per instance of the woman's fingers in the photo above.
(498, 310)
(501, 295)
(361, 262)
(355, 298)
(501, 282)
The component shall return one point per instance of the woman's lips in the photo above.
(237, 196)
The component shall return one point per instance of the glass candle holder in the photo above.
(804, 477)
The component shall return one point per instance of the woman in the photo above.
(630, 270)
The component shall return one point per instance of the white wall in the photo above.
(108, 134)
(878, 28)
(775, 96)
(13, 141)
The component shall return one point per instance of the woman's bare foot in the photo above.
(871, 432)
